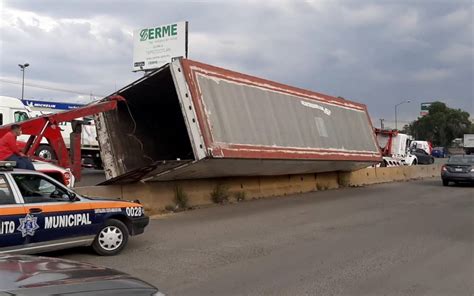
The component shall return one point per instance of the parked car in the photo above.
(439, 152)
(62, 175)
(32, 275)
(459, 168)
(39, 214)
(422, 156)
(58, 173)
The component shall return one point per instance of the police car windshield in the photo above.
(37, 188)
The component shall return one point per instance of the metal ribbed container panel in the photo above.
(218, 114)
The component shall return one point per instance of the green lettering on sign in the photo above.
(166, 30)
(159, 32)
(143, 34)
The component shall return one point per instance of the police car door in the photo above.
(11, 211)
(53, 215)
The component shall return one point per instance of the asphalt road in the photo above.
(412, 238)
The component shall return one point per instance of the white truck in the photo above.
(395, 148)
(468, 143)
(13, 110)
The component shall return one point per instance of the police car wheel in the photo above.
(111, 239)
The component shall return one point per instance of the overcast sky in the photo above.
(378, 53)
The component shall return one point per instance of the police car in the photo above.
(39, 214)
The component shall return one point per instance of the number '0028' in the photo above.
(134, 212)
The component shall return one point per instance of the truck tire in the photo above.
(111, 238)
(98, 163)
(46, 152)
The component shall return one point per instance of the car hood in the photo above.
(22, 273)
(125, 202)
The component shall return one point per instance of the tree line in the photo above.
(441, 125)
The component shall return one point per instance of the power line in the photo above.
(34, 85)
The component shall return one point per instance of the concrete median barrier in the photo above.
(392, 174)
(156, 196)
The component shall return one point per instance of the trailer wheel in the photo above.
(46, 152)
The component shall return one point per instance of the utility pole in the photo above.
(396, 106)
(23, 67)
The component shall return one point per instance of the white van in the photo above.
(423, 145)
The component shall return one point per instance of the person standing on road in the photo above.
(9, 150)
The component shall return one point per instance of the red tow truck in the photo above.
(47, 126)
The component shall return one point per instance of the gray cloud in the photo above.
(375, 52)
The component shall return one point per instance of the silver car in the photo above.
(32, 275)
(459, 168)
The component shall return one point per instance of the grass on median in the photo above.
(240, 196)
(220, 194)
(180, 198)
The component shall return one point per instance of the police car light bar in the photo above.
(7, 165)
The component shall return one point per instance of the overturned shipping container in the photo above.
(191, 120)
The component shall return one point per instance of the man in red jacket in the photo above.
(9, 149)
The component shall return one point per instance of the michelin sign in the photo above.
(155, 46)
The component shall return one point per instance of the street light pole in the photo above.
(396, 106)
(23, 67)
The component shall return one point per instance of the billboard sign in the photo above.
(51, 105)
(155, 46)
(425, 108)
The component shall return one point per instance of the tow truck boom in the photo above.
(47, 126)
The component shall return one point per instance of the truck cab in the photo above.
(12, 110)
(395, 148)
